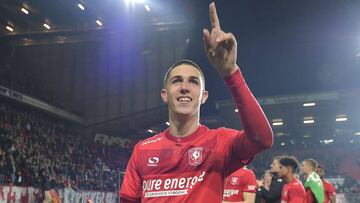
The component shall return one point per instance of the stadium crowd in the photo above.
(41, 152)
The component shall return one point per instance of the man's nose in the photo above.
(184, 87)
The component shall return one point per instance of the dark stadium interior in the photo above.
(80, 91)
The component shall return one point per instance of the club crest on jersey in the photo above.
(195, 156)
(234, 180)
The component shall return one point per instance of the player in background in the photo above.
(329, 190)
(313, 184)
(240, 186)
(293, 191)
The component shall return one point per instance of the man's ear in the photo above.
(204, 97)
(164, 95)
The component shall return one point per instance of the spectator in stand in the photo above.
(30, 143)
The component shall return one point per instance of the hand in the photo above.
(260, 183)
(220, 47)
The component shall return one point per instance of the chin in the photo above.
(185, 112)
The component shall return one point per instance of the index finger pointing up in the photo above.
(213, 16)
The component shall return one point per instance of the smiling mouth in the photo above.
(184, 99)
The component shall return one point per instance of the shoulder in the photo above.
(328, 185)
(248, 172)
(225, 132)
(296, 184)
(325, 182)
(151, 141)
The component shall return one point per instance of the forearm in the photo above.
(333, 199)
(253, 119)
(249, 197)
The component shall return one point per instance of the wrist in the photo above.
(226, 72)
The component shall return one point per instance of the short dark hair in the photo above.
(320, 166)
(290, 161)
(313, 163)
(181, 62)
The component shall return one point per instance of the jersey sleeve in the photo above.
(331, 189)
(250, 184)
(257, 134)
(131, 188)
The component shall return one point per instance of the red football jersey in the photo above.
(293, 192)
(165, 168)
(310, 198)
(242, 180)
(329, 190)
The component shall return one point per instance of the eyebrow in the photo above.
(179, 77)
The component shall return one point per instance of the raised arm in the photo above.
(221, 50)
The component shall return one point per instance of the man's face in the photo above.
(275, 166)
(320, 172)
(267, 177)
(184, 91)
(283, 171)
(306, 168)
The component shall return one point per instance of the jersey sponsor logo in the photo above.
(195, 156)
(166, 193)
(152, 141)
(230, 192)
(234, 180)
(153, 161)
(176, 186)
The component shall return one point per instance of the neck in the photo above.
(289, 178)
(306, 175)
(182, 126)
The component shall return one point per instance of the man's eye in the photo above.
(194, 81)
(176, 81)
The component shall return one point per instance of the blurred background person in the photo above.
(272, 194)
(329, 190)
(240, 186)
(313, 184)
(293, 191)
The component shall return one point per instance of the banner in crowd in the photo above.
(71, 196)
(125, 143)
(15, 194)
(19, 194)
